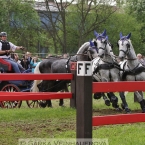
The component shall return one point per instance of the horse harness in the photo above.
(67, 71)
(135, 71)
(107, 66)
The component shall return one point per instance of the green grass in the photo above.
(60, 122)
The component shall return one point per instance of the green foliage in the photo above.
(122, 22)
(20, 21)
(136, 9)
(96, 19)
(81, 22)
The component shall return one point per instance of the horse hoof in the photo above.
(60, 104)
(107, 102)
(42, 105)
(97, 96)
(49, 106)
(122, 105)
(118, 109)
(115, 105)
(127, 110)
(143, 110)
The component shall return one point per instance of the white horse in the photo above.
(107, 67)
(133, 70)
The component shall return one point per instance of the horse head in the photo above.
(103, 45)
(92, 50)
(124, 45)
(87, 51)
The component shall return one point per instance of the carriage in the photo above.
(14, 86)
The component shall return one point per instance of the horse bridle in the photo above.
(105, 42)
(128, 48)
(127, 45)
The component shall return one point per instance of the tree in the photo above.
(53, 14)
(73, 24)
(136, 8)
(20, 20)
(122, 22)
(82, 19)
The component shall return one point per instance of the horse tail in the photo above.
(34, 87)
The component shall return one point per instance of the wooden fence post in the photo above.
(73, 66)
(84, 101)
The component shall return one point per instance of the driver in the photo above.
(6, 48)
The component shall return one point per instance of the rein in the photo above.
(130, 58)
(113, 64)
(85, 54)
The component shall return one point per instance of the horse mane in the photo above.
(133, 50)
(130, 43)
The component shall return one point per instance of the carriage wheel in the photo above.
(10, 104)
(33, 103)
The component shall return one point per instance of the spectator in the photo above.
(34, 62)
(25, 62)
(140, 58)
(16, 59)
(65, 55)
(49, 55)
(5, 50)
(29, 57)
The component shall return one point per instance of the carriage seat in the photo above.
(5, 65)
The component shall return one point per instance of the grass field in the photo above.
(60, 122)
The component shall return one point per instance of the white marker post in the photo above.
(84, 101)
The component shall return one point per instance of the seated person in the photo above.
(15, 57)
(6, 48)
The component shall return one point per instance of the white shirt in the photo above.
(12, 47)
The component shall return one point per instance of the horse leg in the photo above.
(140, 100)
(124, 103)
(49, 104)
(114, 100)
(45, 103)
(107, 102)
(61, 102)
(99, 95)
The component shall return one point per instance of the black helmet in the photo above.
(3, 34)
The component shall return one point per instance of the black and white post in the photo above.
(84, 100)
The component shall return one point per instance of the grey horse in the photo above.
(106, 66)
(133, 70)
